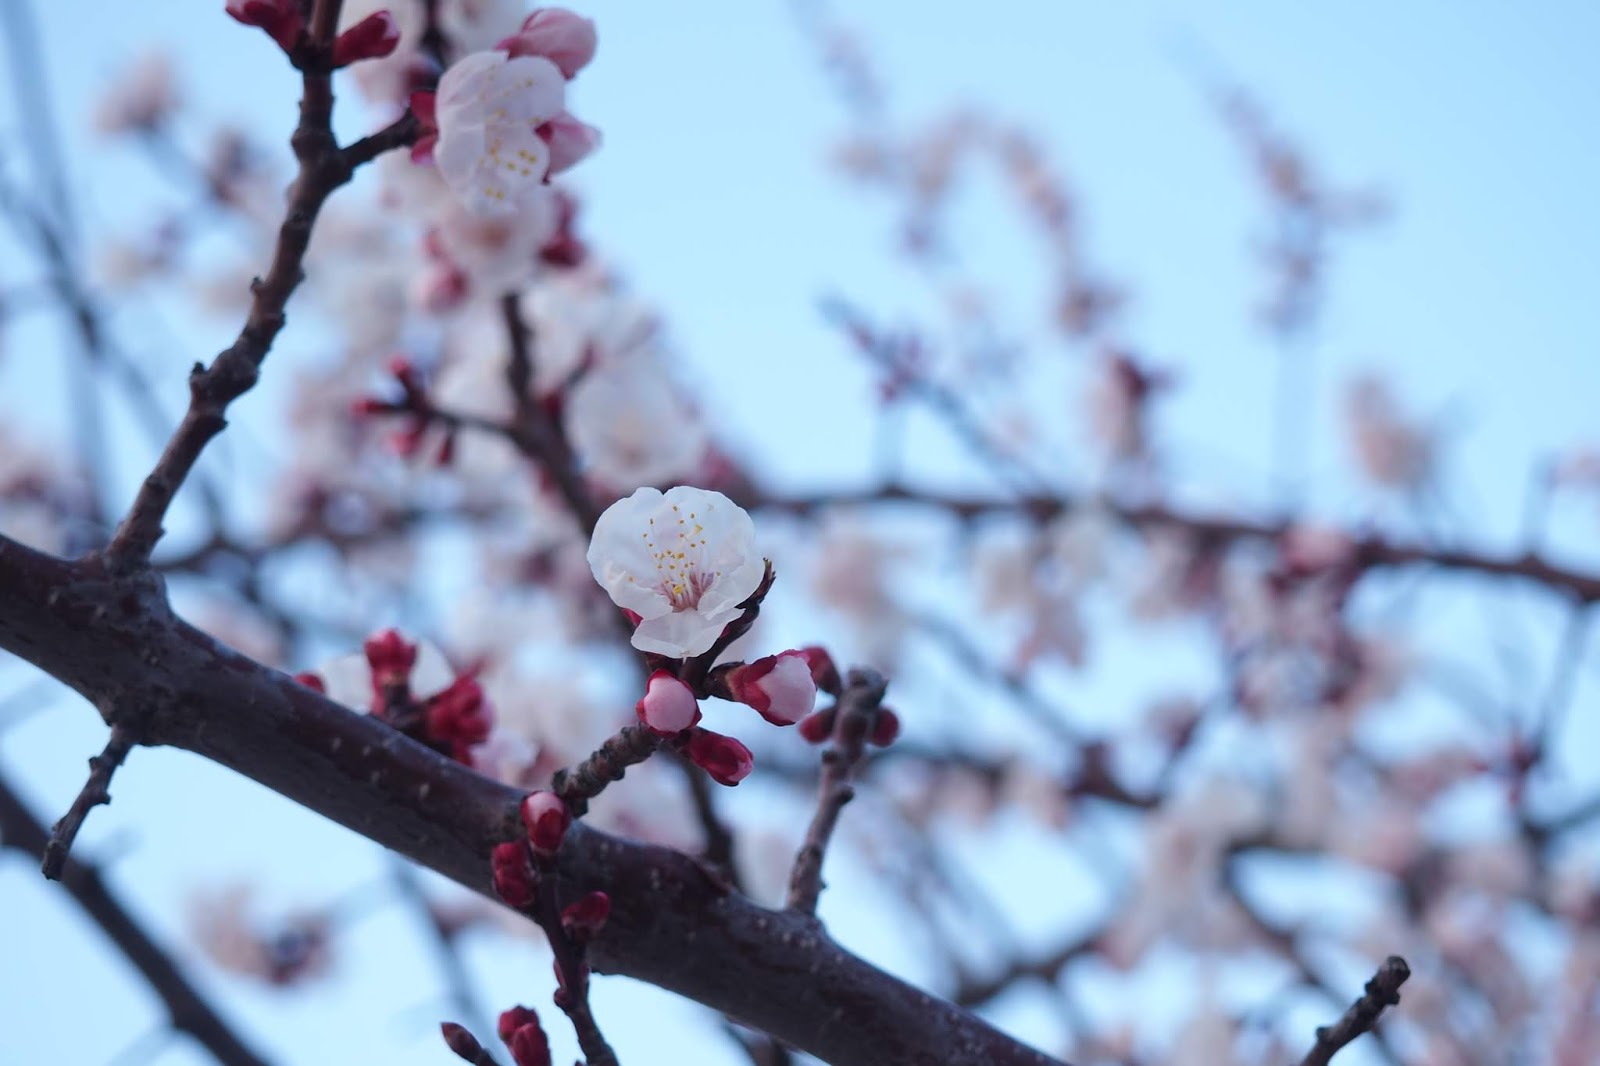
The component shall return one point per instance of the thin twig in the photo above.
(629, 746)
(324, 167)
(858, 704)
(96, 791)
(1381, 992)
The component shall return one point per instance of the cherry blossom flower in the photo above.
(682, 561)
(488, 109)
(579, 316)
(1391, 450)
(632, 426)
(498, 252)
(283, 951)
(141, 99)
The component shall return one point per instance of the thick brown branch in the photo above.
(113, 639)
(857, 706)
(188, 1009)
(1382, 991)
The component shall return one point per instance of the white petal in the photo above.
(528, 89)
(681, 634)
(466, 82)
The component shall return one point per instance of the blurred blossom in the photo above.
(141, 99)
(1391, 450)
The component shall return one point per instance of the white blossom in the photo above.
(488, 108)
(682, 561)
(633, 427)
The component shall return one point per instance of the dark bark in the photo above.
(673, 923)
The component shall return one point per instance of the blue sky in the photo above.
(1478, 298)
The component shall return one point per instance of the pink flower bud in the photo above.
(279, 18)
(585, 918)
(823, 672)
(520, 1029)
(779, 687)
(514, 877)
(668, 705)
(817, 728)
(390, 657)
(725, 759)
(885, 727)
(372, 38)
(566, 39)
(570, 141)
(546, 817)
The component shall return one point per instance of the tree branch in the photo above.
(113, 638)
(94, 793)
(188, 1010)
(1381, 992)
(324, 167)
(1371, 551)
(858, 704)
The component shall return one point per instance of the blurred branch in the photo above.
(1371, 551)
(1382, 991)
(188, 1009)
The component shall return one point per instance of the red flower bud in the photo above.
(390, 657)
(372, 38)
(458, 716)
(546, 817)
(520, 1029)
(885, 727)
(585, 918)
(281, 19)
(725, 759)
(818, 727)
(514, 878)
(463, 1043)
(823, 671)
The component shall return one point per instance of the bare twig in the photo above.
(1381, 992)
(324, 167)
(629, 746)
(858, 704)
(187, 1008)
(96, 791)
